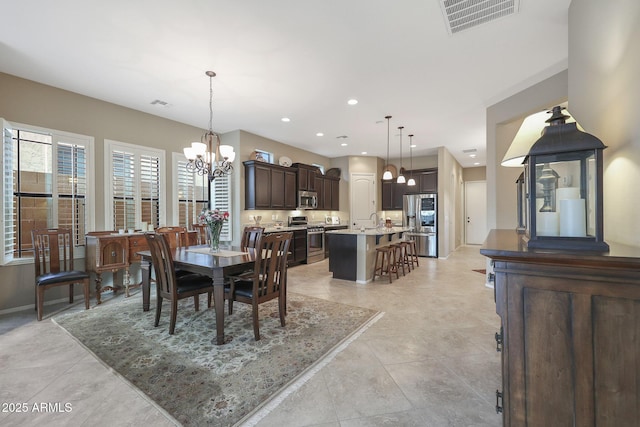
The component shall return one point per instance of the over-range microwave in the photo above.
(307, 200)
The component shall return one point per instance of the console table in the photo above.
(108, 251)
(570, 335)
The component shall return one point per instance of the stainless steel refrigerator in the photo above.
(420, 214)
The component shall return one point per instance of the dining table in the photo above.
(228, 261)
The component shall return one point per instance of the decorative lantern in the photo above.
(522, 204)
(563, 182)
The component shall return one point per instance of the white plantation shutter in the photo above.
(8, 211)
(123, 183)
(150, 189)
(72, 189)
(186, 195)
(221, 199)
(135, 192)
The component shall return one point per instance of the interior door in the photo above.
(363, 199)
(475, 206)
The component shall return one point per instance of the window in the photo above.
(191, 192)
(46, 185)
(134, 186)
(192, 197)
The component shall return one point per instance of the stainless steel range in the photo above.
(315, 243)
(315, 238)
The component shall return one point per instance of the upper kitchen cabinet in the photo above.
(269, 186)
(392, 195)
(328, 189)
(306, 177)
(427, 180)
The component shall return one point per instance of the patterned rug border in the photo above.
(263, 409)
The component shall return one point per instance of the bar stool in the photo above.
(398, 258)
(403, 255)
(385, 262)
(413, 252)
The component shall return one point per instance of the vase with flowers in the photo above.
(214, 219)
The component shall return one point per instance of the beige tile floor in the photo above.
(429, 361)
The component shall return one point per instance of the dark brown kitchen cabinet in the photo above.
(328, 190)
(269, 186)
(392, 195)
(427, 181)
(306, 176)
(570, 334)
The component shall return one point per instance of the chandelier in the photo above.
(208, 157)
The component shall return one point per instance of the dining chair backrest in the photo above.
(271, 264)
(202, 233)
(251, 236)
(53, 250)
(162, 264)
(176, 236)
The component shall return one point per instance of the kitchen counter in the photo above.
(272, 229)
(352, 253)
(382, 231)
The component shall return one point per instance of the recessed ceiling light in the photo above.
(286, 119)
(344, 144)
(476, 163)
(413, 146)
(319, 134)
(364, 152)
(473, 156)
(352, 101)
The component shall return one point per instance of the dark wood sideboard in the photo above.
(570, 335)
(108, 251)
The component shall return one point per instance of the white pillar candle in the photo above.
(547, 224)
(572, 218)
(567, 193)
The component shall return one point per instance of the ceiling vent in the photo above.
(464, 14)
(159, 103)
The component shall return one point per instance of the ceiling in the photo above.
(298, 59)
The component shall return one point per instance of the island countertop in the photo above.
(371, 231)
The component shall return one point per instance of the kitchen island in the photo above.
(352, 253)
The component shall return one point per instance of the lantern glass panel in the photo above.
(565, 194)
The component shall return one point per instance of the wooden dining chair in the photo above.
(202, 233)
(172, 287)
(53, 259)
(268, 280)
(250, 236)
(176, 235)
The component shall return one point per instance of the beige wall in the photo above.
(450, 203)
(503, 121)
(604, 96)
(474, 174)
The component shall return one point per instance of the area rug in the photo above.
(199, 383)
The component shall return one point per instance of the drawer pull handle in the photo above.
(498, 397)
(499, 340)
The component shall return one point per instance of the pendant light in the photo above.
(411, 182)
(387, 173)
(208, 157)
(401, 179)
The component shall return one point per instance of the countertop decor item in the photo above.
(285, 161)
(204, 157)
(333, 172)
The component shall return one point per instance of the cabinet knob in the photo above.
(498, 398)
(499, 340)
